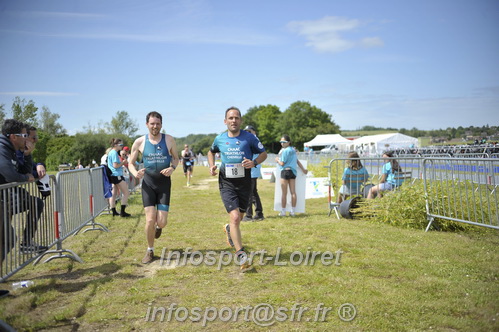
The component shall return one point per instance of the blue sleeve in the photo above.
(386, 168)
(345, 173)
(256, 146)
(214, 147)
(285, 155)
(112, 158)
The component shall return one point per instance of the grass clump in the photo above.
(406, 207)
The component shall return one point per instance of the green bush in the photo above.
(405, 207)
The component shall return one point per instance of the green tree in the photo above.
(123, 124)
(48, 123)
(59, 151)
(40, 152)
(202, 145)
(2, 113)
(264, 119)
(302, 122)
(197, 142)
(90, 147)
(24, 112)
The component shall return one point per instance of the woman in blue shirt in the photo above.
(354, 175)
(115, 164)
(388, 180)
(288, 163)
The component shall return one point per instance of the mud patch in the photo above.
(203, 184)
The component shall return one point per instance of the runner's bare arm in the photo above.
(137, 147)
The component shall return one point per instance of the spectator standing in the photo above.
(254, 196)
(13, 138)
(119, 184)
(288, 162)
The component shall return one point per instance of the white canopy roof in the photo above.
(324, 140)
(384, 142)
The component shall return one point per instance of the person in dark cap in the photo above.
(254, 196)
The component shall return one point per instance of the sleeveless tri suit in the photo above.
(156, 187)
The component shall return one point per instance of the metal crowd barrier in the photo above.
(26, 225)
(75, 202)
(411, 169)
(462, 190)
(458, 189)
(76, 199)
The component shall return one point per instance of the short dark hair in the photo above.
(12, 126)
(233, 108)
(286, 137)
(154, 115)
(115, 141)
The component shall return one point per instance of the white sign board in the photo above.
(317, 188)
(267, 172)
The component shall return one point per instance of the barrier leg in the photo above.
(60, 253)
(93, 224)
(429, 223)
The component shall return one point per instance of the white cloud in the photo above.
(62, 15)
(325, 34)
(372, 42)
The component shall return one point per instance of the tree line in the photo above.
(448, 133)
(302, 121)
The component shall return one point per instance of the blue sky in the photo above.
(427, 64)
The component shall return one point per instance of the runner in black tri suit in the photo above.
(236, 148)
(160, 157)
(187, 163)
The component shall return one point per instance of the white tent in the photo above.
(325, 140)
(379, 143)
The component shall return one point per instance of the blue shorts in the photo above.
(385, 186)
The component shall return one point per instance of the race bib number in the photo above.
(234, 170)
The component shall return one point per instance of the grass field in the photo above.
(381, 278)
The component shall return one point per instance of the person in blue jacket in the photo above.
(13, 138)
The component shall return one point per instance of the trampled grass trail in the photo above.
(312, 272)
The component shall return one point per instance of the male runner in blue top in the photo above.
(160, 157)
(236, 148)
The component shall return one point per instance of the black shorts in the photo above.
(116, 179)
(287, 174)
(235, 193)
(156, 192)
(187, 167)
